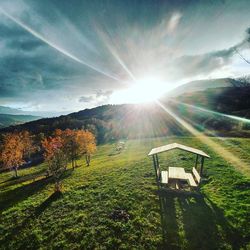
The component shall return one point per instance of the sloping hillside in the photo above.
(110, 122)
(219, 109)
(201, 85)
(227, 100)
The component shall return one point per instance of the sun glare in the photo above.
(144, 90)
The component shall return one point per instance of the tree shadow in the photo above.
(13, 234)
(12, 197)
(41, 208)
(113, 154)
(192, 221)
(13, 180)
(232, 235)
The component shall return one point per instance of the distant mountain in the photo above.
(13, 111)
(10, 120)
(10, 111)
(200, 85)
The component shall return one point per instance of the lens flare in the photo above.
(237, 118)
(147, 89)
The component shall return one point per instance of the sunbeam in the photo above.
(237, 118)
(228, 156)
(56, 47)
(114, 53)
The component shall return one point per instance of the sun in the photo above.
(145, 90)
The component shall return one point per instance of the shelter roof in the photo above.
(177, 146)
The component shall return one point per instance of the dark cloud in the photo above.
(24, 44)
(11, 31)
(205, 64)
(35, 67)
(100, 97)
(86, 99)
(102, 93)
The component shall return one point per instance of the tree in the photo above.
(38, 138)
(241, 82)
(56, 159)
(28, 144)
(247, 40)
(248, 34)
(69, 144)
(76, 143)
(12, 154)
(87, 144)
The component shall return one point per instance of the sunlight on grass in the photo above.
(218, 148)
(126, 181)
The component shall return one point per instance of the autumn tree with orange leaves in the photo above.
(87, 144)
(12, 154)
(28, 144)
(76, 143)
(70, 146)
(66, 146)
(56, 158)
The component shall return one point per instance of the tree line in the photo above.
(59, 149)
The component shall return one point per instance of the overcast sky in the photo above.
(63, 56)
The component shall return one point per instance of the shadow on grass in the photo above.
(12, 197)
(40, 209)
(14, 233)
(192, 221)
(17, 180)
(115, 153)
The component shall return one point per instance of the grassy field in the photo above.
(88, 213)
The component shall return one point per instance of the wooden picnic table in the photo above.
(177, 173)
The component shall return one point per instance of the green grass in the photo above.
(32, 217)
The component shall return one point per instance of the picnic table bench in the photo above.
(193, 178)
(177, 174)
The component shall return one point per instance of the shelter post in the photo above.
(154, 162)
(157, 160)
(196, 161)
(202, 164)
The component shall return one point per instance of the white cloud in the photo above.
(174, 21)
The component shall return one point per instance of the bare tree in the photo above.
(248, 41)
(241, 82)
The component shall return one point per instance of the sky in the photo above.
(59, 56)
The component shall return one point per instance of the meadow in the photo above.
(115, 202)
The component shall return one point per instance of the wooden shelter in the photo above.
(175, 173)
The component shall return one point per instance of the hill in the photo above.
(10, 111)
(224, 111)
(7, 120)
(200, 85)
(227, 100)
(204, 85)
(112, 122)
(13, 111)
